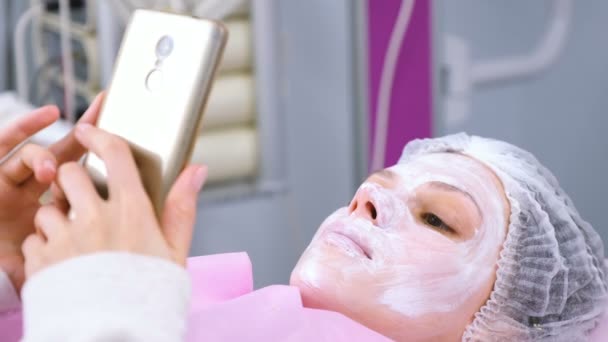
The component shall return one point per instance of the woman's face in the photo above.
(414, 254)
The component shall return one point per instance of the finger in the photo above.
(32, 245)
(23, 128)
(32, 249)
(68, 148)
(50, 222)
(179, 214)
(30, 160)
(91, 115)
(77, 187)
(58, 199)
(115, 153)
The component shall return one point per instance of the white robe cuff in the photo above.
(110, 296)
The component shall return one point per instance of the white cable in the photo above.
(67, 60)
(386, 83)
(19, 40)
(546, 54)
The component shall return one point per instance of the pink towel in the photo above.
(218, 278)
(10, 326)
(274, 313)
(224, 308)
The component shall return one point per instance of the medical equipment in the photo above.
(67, 59)
(464, 74)
(386, 83)
(83, 49)
(162, 78)
(19, 50)
(54, 36)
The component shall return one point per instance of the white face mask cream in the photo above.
(414, 254)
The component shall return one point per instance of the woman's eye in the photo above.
(434, 221)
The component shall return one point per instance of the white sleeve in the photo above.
(109, 296)
(9, 300)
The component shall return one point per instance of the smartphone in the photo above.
(161, 80)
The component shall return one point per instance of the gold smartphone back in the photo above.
(162, 78)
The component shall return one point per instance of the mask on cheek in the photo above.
(398, 262)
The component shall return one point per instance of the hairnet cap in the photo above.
(551, 276)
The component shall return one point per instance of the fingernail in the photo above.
(199, 178)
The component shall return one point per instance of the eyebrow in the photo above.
(390, 175)
(447, 187)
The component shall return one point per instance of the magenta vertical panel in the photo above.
(411, 98)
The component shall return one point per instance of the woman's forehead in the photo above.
(450, 165)
(454, 169)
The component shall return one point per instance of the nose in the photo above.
(363, 206)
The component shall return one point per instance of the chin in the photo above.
(334, 298)
(321, 267)
(323, 285)
(315, 278)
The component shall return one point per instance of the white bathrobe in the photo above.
(103, 297)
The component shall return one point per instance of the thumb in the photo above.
(179, 214)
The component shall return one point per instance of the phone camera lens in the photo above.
(164, 47)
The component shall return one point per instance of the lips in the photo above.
(349, 242)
